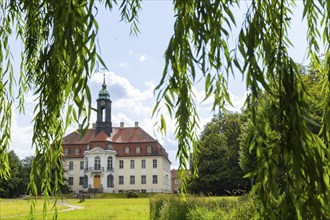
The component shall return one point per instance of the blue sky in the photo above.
(135, 66)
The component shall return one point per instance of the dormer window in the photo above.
(148, 150)
(66, 152)
(126, 150)
(77, 151)
(138, 150)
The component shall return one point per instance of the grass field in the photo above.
(109, 209)
(19, 208)
(116, 208)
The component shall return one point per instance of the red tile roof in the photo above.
(75, 137)
(130, 134)
(174, 173)
(121, 138)
(102, 136)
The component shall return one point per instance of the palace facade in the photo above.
(115, 159)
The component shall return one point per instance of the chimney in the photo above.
(121, 124)
(136, 124)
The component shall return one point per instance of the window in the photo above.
(138, 150)
(110, 181)
(77, 151)
(121, 164)
(82, 165)
(71, 165)
(86, 163)
(143, 179)
(97, 163)
(81, 181)
(126, 150)
(121, 180)
(131, 180)
(85, 181)
(154, 163)
(66, 151)
(70, 181)
(109, 167)
(109, 147)
(148, 150)
(143, 164)
(154, 179)
(132, 164)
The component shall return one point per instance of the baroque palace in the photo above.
(115, 159)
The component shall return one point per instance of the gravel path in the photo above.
(71, 207)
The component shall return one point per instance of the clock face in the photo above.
(102, 102)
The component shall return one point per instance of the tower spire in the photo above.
(104, 85)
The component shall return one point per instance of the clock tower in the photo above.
(103, 121)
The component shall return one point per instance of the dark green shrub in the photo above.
(155, 205)
(132, 194)
(163, 207)
(175, 209)
(171, 207)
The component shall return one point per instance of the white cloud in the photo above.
(121, 117)
(123, 64)
(150, 85)
(142, 57)
(200, 98)
(21, 136)
(121, 87)
(237, 101)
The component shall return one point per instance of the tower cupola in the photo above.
(104, 94)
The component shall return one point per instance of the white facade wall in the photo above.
(103, 170)
(149, 171)
(162, 171)
(166, 165)
(74, 173)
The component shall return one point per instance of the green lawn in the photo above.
(93, 209)
(109, 209)
(18, 207)
(107, 206)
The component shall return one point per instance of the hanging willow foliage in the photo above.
(59, 54)
(293, 163)
(58, 58)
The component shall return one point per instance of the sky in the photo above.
(135, 65)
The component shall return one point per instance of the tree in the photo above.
(59, 55)
(247, 155)
(14, 185)
(311, 80)
(217, 160)
(26, 170)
